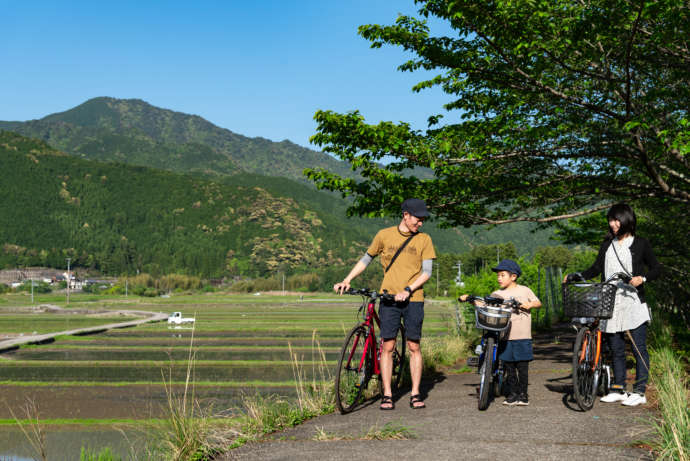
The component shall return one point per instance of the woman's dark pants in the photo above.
(639, 348)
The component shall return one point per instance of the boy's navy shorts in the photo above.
(517, 350)
(412, 314)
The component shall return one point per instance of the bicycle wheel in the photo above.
(499, 380)
(585, 371)
(398, 359)
(354, 370)
(485, 373)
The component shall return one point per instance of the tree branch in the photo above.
(542, 220)
(540, 84)
(628, 52)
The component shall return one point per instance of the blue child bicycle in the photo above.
(492, 316)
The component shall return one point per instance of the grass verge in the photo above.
(264, 415)
(672, 423)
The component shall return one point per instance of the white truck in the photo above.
(177, 319)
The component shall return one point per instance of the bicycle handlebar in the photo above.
(372, 294)
(510, 303)
(622, 276)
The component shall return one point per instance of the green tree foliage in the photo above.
(557, 109)
(555, 256)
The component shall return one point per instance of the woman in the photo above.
(623, 251)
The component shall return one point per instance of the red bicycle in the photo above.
(360, 356)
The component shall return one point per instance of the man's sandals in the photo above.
(416, 399)
(387, 403)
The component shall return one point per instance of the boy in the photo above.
(518, 349)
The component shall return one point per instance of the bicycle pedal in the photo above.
(472, 361)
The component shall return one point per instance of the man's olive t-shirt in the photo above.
(408, 265)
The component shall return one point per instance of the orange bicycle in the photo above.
(587, 303)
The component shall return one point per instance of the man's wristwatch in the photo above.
(408, 289)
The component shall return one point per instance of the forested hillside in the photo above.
(119, 218)
(133, 131)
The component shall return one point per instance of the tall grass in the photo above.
(445, 350)
(267, 414)
(672, 425)
(187, 432)
(32, 428)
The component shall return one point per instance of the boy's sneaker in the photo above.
(634, 400)
(511, 400)
(614, 397)
(523, 400)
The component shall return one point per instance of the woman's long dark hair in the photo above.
(626, 216)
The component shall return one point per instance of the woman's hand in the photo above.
(636, 281)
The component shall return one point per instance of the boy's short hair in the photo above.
(508, 265)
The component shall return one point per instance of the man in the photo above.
(406, 256)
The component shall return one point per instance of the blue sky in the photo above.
(258, 68)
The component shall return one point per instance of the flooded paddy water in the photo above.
(87, 387)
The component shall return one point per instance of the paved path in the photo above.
(49, 337)
(551, 428)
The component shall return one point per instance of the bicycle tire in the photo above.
(350, 379)
(585, 371)
(485, 374)
(499, 380)
(398, 359)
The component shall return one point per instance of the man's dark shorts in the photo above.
(412, 314)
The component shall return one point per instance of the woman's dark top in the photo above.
(642, 255)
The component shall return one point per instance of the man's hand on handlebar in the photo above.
(341, 287)
(463, 298)
(402, 296)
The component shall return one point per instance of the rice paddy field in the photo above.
(85, 387)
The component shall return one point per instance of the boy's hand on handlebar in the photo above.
(463, 298)
(341, 287)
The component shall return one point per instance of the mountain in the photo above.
(135, 132)
(122, 218)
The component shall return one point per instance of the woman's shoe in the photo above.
(614, 397)
(634, 400)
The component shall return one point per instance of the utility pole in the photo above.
(458, 278)
(69, 278)
(283, 283)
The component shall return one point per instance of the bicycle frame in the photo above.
(371, 318)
